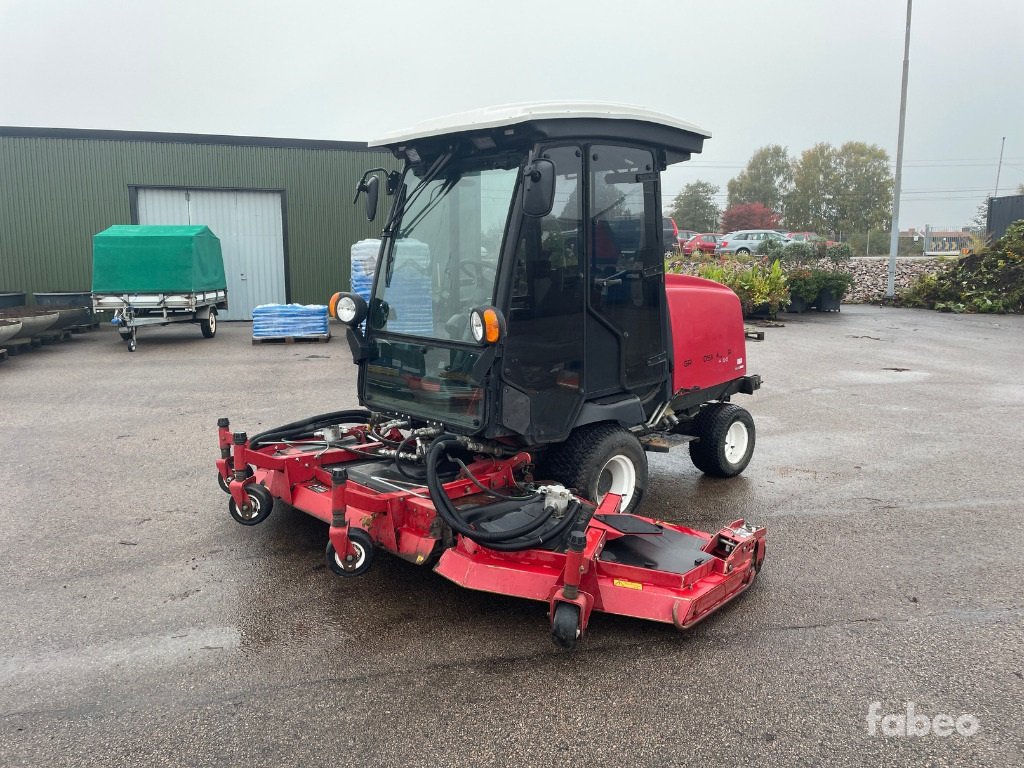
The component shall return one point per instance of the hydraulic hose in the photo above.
(512, 540)
(307, 427)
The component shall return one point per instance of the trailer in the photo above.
(158, 275)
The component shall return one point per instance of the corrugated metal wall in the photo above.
(55, 193)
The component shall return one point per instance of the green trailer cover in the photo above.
(156, 259)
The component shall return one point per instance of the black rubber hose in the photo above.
(416, 475)
(571, 515)
(506, 540)
(307, 427)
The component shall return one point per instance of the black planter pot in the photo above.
(797, 305)
(15, 299)
(762, 311)
(827, 301)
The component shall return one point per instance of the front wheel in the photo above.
(600, 459)
(209, 324)
(726, 440)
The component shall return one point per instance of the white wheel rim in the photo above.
(620, 476)
(351, 566)
(736, 441)
(213, 321)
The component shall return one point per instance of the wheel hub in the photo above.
(736, 440)
(618, 476)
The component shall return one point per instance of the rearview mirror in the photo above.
(539, 188)
(372, 192)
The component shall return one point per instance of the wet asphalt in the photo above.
(143, 627)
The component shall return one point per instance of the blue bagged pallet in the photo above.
(276, 320)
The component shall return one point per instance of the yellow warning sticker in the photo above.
(627, 584)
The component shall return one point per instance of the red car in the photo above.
(703, 242)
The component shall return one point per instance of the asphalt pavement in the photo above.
(144, 627)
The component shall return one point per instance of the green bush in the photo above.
(991, 280)
(834, 281)
(803, 283)
(839, 252)
(756, 285)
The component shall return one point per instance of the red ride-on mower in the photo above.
(521, 350)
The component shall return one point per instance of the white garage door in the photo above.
(251, 232)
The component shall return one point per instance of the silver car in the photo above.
(744, 242)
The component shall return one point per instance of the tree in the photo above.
(694, 207)
(863, 198)
(766, 179)
(809, 204)
(841, 190)
(749, 216)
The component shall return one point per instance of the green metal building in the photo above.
(282, 208)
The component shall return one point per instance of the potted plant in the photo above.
(803, 288)
(832, 286)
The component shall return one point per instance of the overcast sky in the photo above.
(753, 72)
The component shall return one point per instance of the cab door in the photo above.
(626, 336)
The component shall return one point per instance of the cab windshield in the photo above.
(443, 258)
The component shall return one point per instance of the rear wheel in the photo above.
(209, 324)
(726, 442)
(742, 251)
(600, 459)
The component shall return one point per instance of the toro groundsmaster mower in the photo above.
(520, 350)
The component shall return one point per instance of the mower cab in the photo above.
(520, 351)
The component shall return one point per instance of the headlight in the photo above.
(486, 324)
(349, 308)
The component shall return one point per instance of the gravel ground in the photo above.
(144, 627)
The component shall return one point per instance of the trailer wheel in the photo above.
(598, 459)
(726, 442)
(354, 565)
(258, 507)
(565, 625)
(209, 324)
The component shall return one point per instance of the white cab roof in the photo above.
(514, 114)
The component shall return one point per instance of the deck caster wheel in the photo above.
(125, 335)
(355, 564)
(225, 485)
(131, 345)
(258, 507)
(565, 626)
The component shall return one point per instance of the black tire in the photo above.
(363, 545)
(224, 484)
(260, 505)
(598, 457)
(209, 325)
(565, 625)
(131, 344)
(125, 335)
(723, 450)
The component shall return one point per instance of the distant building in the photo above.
(282, 208)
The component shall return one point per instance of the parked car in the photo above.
(704, 242)
(808, 237)
(669, 233)
(684, 235)
(746, 241)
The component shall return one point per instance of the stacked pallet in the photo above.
(289, 323)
